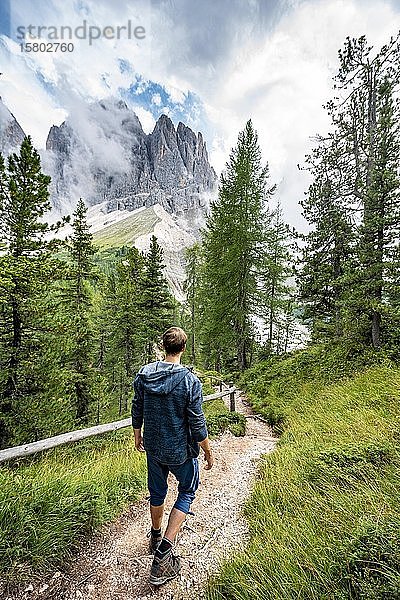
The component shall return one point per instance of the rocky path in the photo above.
(115, 563)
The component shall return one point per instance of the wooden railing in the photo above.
(81, 434)
(221, 384)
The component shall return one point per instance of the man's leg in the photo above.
(157, 513)
(166, 565)
(157, 475)
(188, 477)
(176, 518)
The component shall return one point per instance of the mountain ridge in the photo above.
(11, 132)
(135, 184)
(101, 153)
(114, 160)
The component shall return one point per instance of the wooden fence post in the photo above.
(232, 405)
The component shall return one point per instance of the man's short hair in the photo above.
(174, 340)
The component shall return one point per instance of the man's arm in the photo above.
(197, 422)
(137, 415)
(208, 455)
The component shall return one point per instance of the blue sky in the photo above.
(5, 17)
(212, 64)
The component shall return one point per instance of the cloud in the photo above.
(38, 83)
(269, 61)
(210, 64)
(282, 84)
(25, 91)
(145, 117)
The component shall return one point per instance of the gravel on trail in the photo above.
(114, 564)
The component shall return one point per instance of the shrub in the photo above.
(232, 421)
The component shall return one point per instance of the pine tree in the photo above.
(236, 255)
(192, 286)
(75, 304)
(157, 303)
(278, 295)
(351, 255)
(368, 120)
(107, 363)
(328, 251)
(24, 200)
(125, 324)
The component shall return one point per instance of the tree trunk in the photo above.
(373, 234)
(193, 340)
(242, 354)
(11, 384)
(337, 271)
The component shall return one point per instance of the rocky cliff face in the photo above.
(101, 153)
(104, 155)
(11, 133)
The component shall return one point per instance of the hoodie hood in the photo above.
(162, 377)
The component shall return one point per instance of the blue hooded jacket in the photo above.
(168, 400)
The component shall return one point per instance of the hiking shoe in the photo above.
(154, 542)
(164, 569)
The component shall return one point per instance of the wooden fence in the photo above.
(81, 434)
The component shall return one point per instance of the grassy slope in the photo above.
(50, 502)
(125, 232)
(325, 513)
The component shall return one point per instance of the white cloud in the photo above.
(145, 117)
(36, 86)
(271, 61)
(25, 96)
(177, 96)
(284, 80)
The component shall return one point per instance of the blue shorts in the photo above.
(187, 475)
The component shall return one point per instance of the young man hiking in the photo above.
(168, 401)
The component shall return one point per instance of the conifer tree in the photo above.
(24, 200)
(236, 255)
(192, 286)
(354, 201)
(368, 120)
(76, 306)
(328, 251)
(276, 291)
(156, 303)
(126, 335)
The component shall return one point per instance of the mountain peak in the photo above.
(11, 132)
(164, 123)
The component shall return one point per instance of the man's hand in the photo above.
(139, 440)
(208, 456)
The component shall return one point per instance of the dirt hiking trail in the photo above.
(114, 564)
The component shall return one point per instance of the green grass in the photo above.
(324, 515)
(125, 232)
(49, 503)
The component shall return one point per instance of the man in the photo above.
(168, 400)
